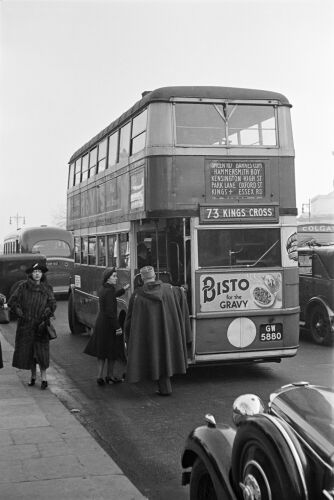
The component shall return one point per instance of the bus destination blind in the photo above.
(230, 214)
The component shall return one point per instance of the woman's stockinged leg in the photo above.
(33, 375)
(110, 370)
(100, 368)
(44, 382)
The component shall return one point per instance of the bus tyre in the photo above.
(201, 485)
(320, 326)
(258, 470)
(74, 324)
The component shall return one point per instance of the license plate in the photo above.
(271, 332)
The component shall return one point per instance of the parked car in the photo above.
(285, 452)
(316, 292)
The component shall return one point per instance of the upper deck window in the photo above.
(71, 175)
(225, 124)
(124, 142)
(77, 174)
(113, 148)
(138, 135)
(102, 162)
(92, 162)
(84, 173)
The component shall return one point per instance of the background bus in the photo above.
(200, 183)
(53, 242)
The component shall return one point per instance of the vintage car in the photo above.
(285, 452)
(316, 292)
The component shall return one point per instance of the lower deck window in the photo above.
(239, 247)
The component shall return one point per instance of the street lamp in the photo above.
(17, 218)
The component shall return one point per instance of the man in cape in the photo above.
(157, 331)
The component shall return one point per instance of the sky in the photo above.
(69, 68)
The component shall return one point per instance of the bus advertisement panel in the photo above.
(200, 183)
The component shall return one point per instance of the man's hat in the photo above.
(147, 272)
(36, 266)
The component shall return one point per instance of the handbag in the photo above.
(51, 331)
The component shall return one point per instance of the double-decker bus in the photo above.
(200, 183)
(55, 243)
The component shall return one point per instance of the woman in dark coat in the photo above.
(107, 343)
(33, 303)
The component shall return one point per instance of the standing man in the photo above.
(157, 330)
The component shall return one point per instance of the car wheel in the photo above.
(201, 485)
(75, 326)
(320, 327)
(258, 470)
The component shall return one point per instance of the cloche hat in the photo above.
(37, 266)
(107, 273)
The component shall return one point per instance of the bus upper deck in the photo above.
(202, 179)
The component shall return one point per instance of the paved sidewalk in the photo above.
(45, 453)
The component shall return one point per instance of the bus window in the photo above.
(251, 125)
(102, 163)
(112, 250)
(77, 249)
(101, 251)
(200, 124)
(239, 247)
(84, 250)
(71, 175)
(124, 251)
(124, 142)
(77, 175)
(92, 250)
(92, 162)
(113, 147)
(84, 171)
(52, 248)
(138, 132)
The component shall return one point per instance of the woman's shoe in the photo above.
(44, 384)
(116, 380)
(100, 381)
(159, 393)
(32, 382)
(108, 380)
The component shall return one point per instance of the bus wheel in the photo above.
(320, 326)
(75, 326)
(201, 485)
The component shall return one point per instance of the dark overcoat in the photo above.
(104, 343)
(32, 303)
(1, 363)
(157, 329)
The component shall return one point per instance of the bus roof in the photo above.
(165, 94)
(26, 232)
